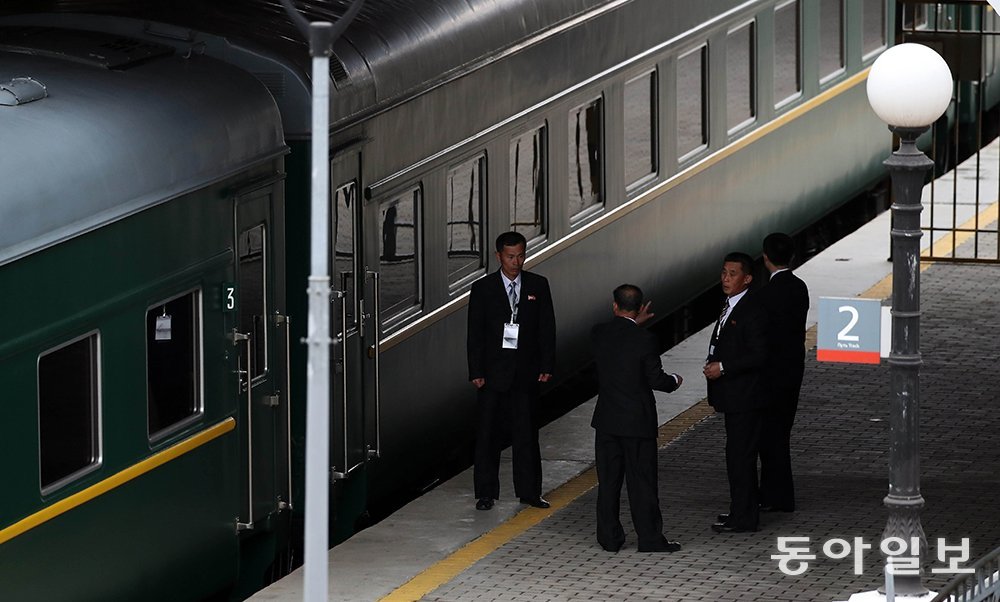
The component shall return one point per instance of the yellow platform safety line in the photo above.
(883, 290)
(98, 489)
(450, 567)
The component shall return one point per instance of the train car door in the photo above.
(261, 337)
(348, 445)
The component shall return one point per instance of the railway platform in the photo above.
(439, 548)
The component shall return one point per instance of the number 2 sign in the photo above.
(848, 330)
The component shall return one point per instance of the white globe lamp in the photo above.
(909, 86)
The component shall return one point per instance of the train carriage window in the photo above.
(68, 411)
(173, 363)
(916, 16)
(253, 297)
(787, 53)
(692, 125)
(586, 161)
(740, 77)
(640, 129)
(873, 26)
(345, 199)
(399, 255)
(528, 199)
(466, 207)
(831, 38)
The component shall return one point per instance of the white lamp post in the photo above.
(909, 88)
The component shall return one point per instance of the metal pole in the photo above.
(907, 166)
(318, 368)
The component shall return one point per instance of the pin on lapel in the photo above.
(531, 297)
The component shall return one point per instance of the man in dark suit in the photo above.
(511, 349)
(628, 368)
(785, 300)
(736, 358)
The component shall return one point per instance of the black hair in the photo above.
(779, 248)
(745, 261)
(510, 239)
(629, 298)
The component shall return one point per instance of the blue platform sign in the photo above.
(849, 330)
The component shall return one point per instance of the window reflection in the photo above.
(873, 25)
(586, 167)
(399, 260)
(527, 184)
(465, 225)
(345, 200)
(787, 81)
(691, 99)
(831, 37)
(740, 105)
(253, 304)
(640, 128)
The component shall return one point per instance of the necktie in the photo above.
(512, 293)
(722, 316)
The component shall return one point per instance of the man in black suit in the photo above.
(785, 300)
(736, 358)
(628, 368)
(511, 349)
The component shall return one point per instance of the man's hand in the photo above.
(479, 382)
(544, 377)
(644, 313)
(712, 370)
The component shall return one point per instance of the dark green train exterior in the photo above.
(110, 495)
(172, 179)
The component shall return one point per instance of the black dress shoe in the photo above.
(776, 509)
(537, 502)
(663, 546)
(724, 517)
(722, 527)
(612, 549)
(484, 503)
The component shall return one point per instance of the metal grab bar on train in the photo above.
(376, 291)
(239, 337)
(341, 340)
(287, 321)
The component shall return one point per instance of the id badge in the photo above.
(510, 336)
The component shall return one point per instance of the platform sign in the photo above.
(849, 330)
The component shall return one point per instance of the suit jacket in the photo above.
(742, 349)
(785, 300)
(489, 310)
(628, 368)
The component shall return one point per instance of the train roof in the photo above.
(104, 141)
(392, 49)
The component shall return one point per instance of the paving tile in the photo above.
(840, 456)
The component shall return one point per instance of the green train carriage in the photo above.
(143, 199)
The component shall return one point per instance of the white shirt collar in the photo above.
(736, 298)
(778, 271)
(507, 281)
